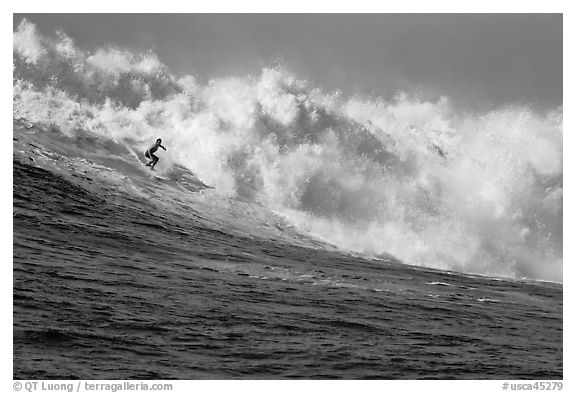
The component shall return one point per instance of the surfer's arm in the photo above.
(162, 147)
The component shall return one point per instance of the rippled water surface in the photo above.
(118, 274)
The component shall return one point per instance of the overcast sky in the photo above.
(478, 61)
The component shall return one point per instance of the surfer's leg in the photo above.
(154, 160)
(147, 156)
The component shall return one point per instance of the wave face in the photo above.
(472, 192)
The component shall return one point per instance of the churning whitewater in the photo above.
(287, 232)
(470, 192)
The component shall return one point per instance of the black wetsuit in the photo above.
(150, 154)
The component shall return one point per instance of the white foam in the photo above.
(478, 193)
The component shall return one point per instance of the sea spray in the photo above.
(473, 192)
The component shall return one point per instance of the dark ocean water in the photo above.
(119, 275)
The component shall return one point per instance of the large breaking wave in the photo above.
(473, 192)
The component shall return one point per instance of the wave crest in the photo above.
(475, 192)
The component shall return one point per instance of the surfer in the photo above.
(150, 153)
